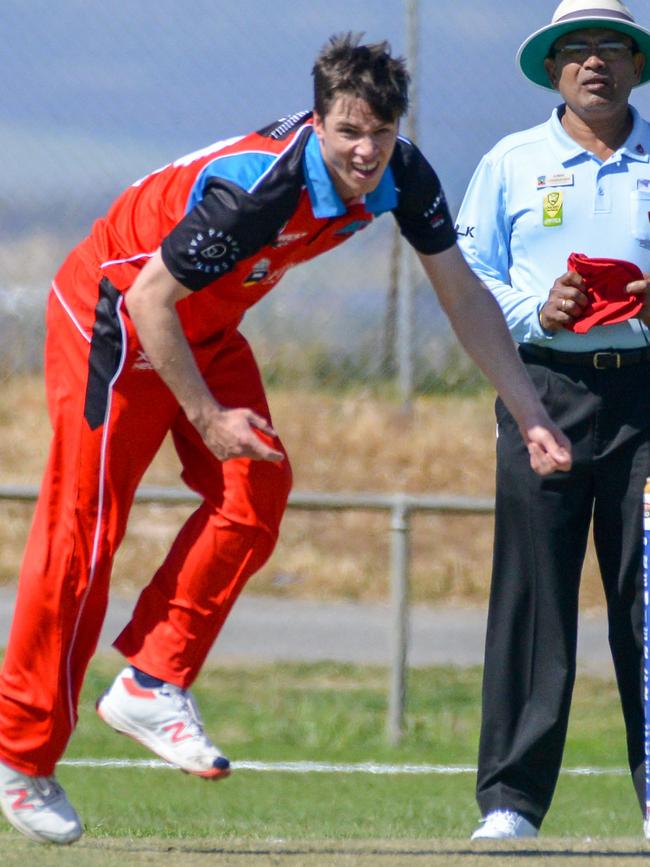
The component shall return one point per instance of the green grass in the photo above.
(336, 713)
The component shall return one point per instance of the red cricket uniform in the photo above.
(229, 220)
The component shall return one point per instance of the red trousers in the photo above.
(110, 413)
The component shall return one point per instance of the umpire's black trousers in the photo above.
(541, 531)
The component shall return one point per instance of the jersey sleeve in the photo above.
(227, 225)
(422, 212)
(484, 239)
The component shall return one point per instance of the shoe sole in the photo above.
(120, 726)
(476, 836)
(66, 840)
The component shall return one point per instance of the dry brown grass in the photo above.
(346, 443)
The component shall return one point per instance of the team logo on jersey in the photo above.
(553, 209)
(213, 252)
(260, 271)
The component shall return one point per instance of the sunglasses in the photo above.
(608, 49)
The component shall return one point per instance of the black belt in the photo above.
(608, 359)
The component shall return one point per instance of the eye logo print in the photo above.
(214, 251)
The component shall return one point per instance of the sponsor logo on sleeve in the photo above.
(213, 252)
(465, 231)
(260, 272)
(434, 214)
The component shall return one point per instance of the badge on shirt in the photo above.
(552, 209)
(561, 179)
(260, 272)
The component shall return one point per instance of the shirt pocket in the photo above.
(640, 214)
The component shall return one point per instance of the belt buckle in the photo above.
(609, 359)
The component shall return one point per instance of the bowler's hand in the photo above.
(565, 303)
(548, 447)
(232, 433)
(642, 287)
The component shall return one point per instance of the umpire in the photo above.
(577, 184)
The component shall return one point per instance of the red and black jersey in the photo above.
(232, 218)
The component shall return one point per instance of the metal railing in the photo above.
(399, 506)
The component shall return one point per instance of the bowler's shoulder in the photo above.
(407, 151)
(408, 161)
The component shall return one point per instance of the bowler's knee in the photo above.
(259, 498)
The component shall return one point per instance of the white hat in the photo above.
(580, 15)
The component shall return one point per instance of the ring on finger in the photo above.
(563, 305)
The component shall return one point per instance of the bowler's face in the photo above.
(356, 145)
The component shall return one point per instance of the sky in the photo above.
(95, 94)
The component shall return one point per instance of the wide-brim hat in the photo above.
(580, 15)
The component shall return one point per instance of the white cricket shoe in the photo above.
(164, 719)
(504, 825)
(38, 807)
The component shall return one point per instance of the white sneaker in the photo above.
(504, 825)
(38, 807)
(164, 719)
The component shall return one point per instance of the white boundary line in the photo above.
(324, 768)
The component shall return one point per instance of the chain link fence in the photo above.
(97, 94)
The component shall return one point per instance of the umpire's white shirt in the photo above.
(536, 197)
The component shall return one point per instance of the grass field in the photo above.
(329, 713)
(325, 713)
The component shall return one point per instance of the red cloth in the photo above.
(605, 282)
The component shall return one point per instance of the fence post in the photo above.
(399, 592)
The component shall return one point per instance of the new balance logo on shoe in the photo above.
(21, 800)
(170, 726)
(38, 807)
(177, 728)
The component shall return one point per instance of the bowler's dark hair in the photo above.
(346, 67)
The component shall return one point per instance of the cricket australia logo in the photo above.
(553, 209)
(213, 252)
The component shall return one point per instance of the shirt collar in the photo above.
(326, 202)
(636, 147)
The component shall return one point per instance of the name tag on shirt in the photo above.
(564, 179)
